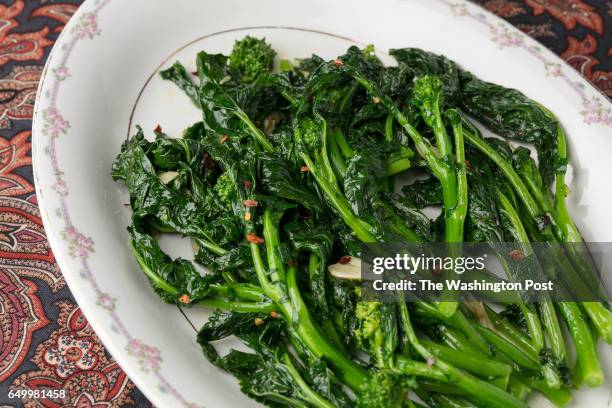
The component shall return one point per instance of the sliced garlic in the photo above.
(195, 245)
(168, 176)
(350, 270)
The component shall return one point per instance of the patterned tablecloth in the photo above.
(45, 339)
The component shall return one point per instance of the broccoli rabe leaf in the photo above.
(278, 178)
(179, 75)
(270, 373)
(174, 210)
(510, 113)
(171, 279)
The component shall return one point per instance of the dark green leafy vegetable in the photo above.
(290, 172)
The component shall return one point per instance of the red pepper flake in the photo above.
(208, 162)
(158, 128)
(468, 165)
(250, 203)
(185, 299)
(292, 263)
(338, 62)
(344, 260)
(194, 73)
(436, 271)
(304, 169)
(247, 216)
(259, 321)
(517, 255)
(224, 139)
(253, 238)
(247, 184)
(376, 100)
(274, 315)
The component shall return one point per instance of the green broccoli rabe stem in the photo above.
(459, 321)
(449, 401)
(255, 132)
(475, 364)
(588, 369)
(511, 334)
(364, 231)
(236, 306)
(311, 396)
(478, 391)
(508, 345)
(549, 317)
(336, 158)
(211, 246)
(311, 335)
(515, 180)
(518, 389)
(327, 324)
(560, 397)
(439, 388)
(455, 194)
(459, 211)
(553, 330)
(428, 89)
(599, 314)
(533, 322)
(259, 304)
(450, 390)
(396, 166)
(454, 339)
(343, 145)
(276, 267)
(286, 295)
(244, 291)
(406, 365)
(389, 127)
(155, 278)
(423, 147)
(563, 218)
(601, 317)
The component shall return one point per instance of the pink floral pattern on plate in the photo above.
(148, 357)
(79, 245)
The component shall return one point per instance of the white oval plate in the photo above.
(102, 73)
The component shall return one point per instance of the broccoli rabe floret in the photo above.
(252, 57)
(384, 389)
(426, 92)
(311, 134)
(376, 333)
(225, 190)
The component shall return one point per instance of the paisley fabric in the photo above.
(45, 341)
(580, 31)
